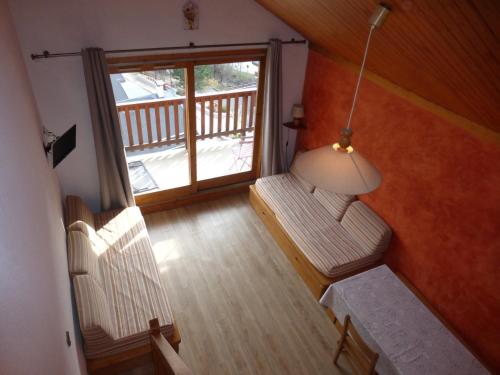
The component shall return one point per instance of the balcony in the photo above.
(153, 134)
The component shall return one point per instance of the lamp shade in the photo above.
(298, 111)
(338, 170)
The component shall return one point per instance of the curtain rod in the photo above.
(191, 45)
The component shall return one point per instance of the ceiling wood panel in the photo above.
(447, 51)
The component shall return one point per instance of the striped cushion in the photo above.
(330, 249)
(77, 210)
(366, 227)
(82, 258)
(285, 196)
(93, 313)
(98, 243)
(81, 226)
(335, 203)
(322, 239)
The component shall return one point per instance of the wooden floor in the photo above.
(240, 306)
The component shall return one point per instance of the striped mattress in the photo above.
(116, 281)
(333, 247)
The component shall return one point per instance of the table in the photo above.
(394, 322)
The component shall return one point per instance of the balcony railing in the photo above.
(161, 122)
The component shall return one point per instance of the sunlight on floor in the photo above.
(166, 251)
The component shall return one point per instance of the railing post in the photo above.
(159, 137)
(138, 122)
(219, 114)
(244, 98)
(166, 108)
(228, 112)
(211, 110)
(147, 111)
(236, 111)
(176, 122)
(129, 127)
(202, 117)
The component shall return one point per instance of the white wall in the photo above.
(69, 25)
(35, 302)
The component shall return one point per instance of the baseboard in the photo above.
(198, 197)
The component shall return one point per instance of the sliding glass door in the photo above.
(225, 124)
(151, 108)
(190, 125)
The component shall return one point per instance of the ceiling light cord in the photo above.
(356, 91)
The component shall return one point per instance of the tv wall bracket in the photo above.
(59, 146)
(49, 138)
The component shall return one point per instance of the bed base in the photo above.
(314, 279)
(129, 359)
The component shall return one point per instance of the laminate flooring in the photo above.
(240, 306)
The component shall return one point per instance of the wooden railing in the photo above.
(162, 122)
(165, 360)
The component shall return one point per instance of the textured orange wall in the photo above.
(440, 194)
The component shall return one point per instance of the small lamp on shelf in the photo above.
(298, 114)
(298, 117)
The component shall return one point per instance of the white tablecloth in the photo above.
(394, 322)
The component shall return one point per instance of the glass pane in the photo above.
(225, 117)
(151, 109)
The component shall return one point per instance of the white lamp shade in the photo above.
(298, 111)
(338, 171)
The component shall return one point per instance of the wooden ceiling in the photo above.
(444, 51)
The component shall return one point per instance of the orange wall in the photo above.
(440, 194)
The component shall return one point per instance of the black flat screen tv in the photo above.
(63, 146)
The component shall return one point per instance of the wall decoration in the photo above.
(191, 16)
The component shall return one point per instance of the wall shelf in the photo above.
(292, 125)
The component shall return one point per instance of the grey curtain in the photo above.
(273, 153)
(111, 162)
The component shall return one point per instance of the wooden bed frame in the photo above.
(314, 279)
(128, 359)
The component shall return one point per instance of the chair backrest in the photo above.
(360, 356)
(246, 139)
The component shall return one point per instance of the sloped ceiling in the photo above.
(444, 51)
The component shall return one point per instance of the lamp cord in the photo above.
(356, 91)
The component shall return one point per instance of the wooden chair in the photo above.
(243, 152)
(165, 359)
(361, 358)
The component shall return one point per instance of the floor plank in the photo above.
(240, 306)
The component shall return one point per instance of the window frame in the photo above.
(188, 61)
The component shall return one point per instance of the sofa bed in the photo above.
(116, 284)
(326, 236)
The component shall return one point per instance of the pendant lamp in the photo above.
(339, 167)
